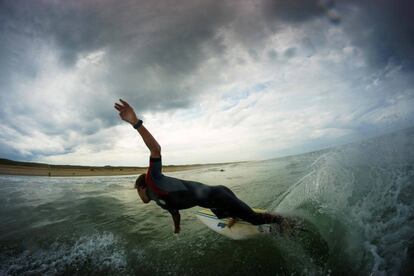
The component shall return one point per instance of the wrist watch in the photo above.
(138, 124)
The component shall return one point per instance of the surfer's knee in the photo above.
(220, 188)
(225, 189)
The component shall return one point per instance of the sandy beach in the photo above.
(10, 167)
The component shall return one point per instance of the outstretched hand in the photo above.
(126, 112)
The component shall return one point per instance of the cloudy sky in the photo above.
(214, 81)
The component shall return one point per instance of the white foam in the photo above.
(99, 252)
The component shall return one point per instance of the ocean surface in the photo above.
(357, 201)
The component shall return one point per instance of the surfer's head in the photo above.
(141, 187)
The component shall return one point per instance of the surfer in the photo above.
(173, 194)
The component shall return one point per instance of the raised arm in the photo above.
(176, 218)
(127, 113)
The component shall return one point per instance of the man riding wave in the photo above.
(173, 194)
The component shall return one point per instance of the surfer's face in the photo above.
(142, 192)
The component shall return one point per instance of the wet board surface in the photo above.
(239, 231)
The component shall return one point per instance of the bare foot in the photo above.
(232, 221)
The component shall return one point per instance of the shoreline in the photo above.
(10, 167)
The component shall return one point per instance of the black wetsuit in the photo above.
(174, 194)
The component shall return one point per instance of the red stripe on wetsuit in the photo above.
(151, 183)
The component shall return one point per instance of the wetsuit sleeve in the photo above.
(155, 167)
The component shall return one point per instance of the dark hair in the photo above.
(140, 182)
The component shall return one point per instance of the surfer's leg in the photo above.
(220, 213)
(249, 215)
(226, 200)
(259, 218)
(226, 204)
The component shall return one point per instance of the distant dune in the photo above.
(10, 167)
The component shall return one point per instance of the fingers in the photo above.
(118, 106)
(121, 107)
(124, 102)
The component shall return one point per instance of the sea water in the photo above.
(358, 200)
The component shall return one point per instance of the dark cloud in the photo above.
(136, 36)
(13, 154)
(151, 48)
(158, 33)
(295, 11)
(384, 30)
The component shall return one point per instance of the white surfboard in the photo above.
(239, 231)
